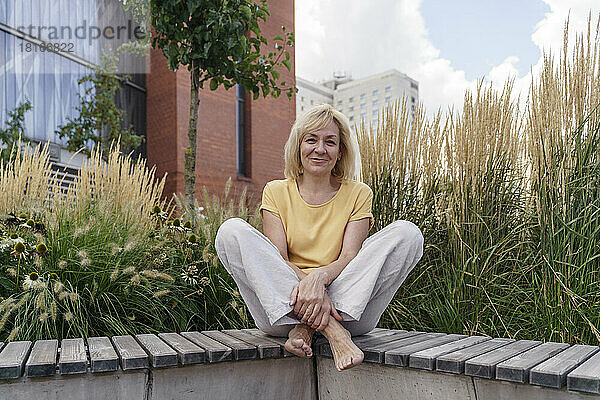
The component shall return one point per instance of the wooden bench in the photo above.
(248, 363)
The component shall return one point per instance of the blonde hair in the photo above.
(314, 119)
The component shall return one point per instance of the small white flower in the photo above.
(37, 283)
(6, 243)
(190, 275)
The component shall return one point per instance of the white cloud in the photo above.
(338, 35)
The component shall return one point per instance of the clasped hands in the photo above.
(311, 302)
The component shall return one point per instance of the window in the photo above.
(388, 89)
(362, 96)
(302, 98)
(388, 99)
(311, 102)
(240, 129)
(302, 108)
(375, 92)
(339, 102)
(363, 105)
(375, 113)
(375, 102)
(363, 115)
(412, 99)
(414, 86)
(351, 118)
(351, 108)
(351, 99)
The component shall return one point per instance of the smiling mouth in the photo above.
(317, 159)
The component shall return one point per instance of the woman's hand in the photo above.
(307, 296)
(322, 320)
(311, 303)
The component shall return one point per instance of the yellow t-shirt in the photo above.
(315, 232)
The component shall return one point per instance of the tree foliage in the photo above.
(13, 132)
(220, 42)
(223, 39)
(99, 119)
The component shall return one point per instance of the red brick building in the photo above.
(264, 131)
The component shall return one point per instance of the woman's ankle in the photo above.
(335, 330)
(304, 328)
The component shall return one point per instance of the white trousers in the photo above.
(360, 293)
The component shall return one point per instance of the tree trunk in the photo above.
(190, 152)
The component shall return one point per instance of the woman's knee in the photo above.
(228, 230)
(408, 233)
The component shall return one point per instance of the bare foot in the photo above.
(300, 340)
(345, 353)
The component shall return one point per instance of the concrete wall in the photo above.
(284, 378)
(377, 381)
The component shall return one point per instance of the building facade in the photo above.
(49, 80)
(237, 136)
(360, 99)
(310, 94)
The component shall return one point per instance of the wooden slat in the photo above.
(426, 359)
(103, 356)
(161, 354)
(215, 351)
(73, 358)
(376, 353)
(381, 337)
(369, 339)
(455, 362)
(42, 360)
(188, 352)
(484, 366)
(586, 377)
(266, 348)
(279, 340)
(12, 359)
(516, 369)
(241, 349)
(384, 339)
(553, 372)
(400, 356)
(130, 353)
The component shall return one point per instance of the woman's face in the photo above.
(319, 150)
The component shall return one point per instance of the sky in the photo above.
(446, 45)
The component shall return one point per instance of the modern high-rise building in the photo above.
(360, 99)
(237, 136)
(310, 94)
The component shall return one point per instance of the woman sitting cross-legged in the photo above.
(313, 269)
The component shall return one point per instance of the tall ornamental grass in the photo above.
(508, 202)
(107, 254)
(563, 135)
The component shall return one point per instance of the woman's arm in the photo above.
(354, 236)
(273, 229)
(311, 290)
